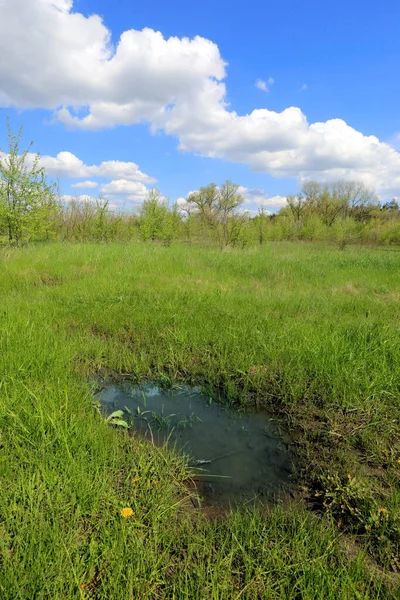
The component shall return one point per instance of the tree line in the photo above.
(343, 212)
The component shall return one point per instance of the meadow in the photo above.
(309, 332)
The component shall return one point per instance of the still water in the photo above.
(237, 457)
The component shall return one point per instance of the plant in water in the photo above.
(162, 422)
(166, 382)
(116, 419)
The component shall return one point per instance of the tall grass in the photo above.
(309, 332)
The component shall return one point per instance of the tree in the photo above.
(157, 220)
(261, 220)
(217, 208)
(392, 205)
(331, 201)
(229, 200)
(356, 199)
(297, 205)
(28, 203)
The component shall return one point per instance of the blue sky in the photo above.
(184, 106)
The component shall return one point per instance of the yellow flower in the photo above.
(126, 512)
(156, 482)
(349, 477)
(398, 461)
(135, 479)
(383, 511)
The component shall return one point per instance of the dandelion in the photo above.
(135, 479)
(349, 477)
(398, 461)
(126, 512)
(383, 512)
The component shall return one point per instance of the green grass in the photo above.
(308, 331)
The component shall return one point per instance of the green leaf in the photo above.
(118, 423)
(117, 414)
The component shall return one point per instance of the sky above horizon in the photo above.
(123, 96)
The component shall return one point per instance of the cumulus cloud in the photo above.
(134, 191)
(80, 198)
(121, 194)
(70, 66)
(133, 81)
(257, 197)
(66, 164)
(184, 206)
(128, 183)
(85, 184)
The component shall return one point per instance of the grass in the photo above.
(307, 331)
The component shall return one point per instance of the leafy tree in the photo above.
(28, 203)
(340, 199)
(297, 205)
(392, 205)
(217, 207)
(103, 228)
(261, 220)
(189, 217)
(157, 220)
(357, 200)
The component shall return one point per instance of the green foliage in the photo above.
(206, 220)
(115, 418)
(157, 220)
(28, 204)
(217, 209)
(305, 331)
(344, 212)
(85, 220)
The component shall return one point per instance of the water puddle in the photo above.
(237, 457)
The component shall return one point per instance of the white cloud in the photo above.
(259, 198)
(128, 182)
(68, 64)
(68, 198)
(395, 141)
(261, 85)
(275, 202)
(85, 184)
(303, 87)
(185, 206)
(80, 198)
(133, 81)
(66, 164)
(122, 189)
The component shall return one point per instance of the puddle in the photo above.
(237, 457)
